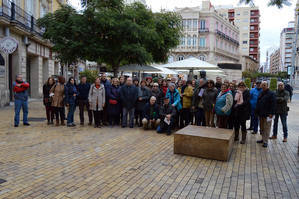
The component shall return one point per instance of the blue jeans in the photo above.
(163, 127)
(254, 120)
(125, 117)
(70, 115)
(283, 119)
(18, 105)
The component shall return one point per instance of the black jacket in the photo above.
(242, 111)
(128, 96)
(159, 96)
(266, 104)
(83, 90)
(165, 110)
(282, 98)
(151, 114)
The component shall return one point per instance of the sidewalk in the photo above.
(44, 161)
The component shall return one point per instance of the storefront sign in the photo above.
(8, 45)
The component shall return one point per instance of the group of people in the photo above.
(163, 104)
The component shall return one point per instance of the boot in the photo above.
(273, 137)
(243, 137)
(57, 122)
(62, 123)
(236, 135)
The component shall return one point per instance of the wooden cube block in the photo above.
(210, 143)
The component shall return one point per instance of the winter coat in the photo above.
(243, 111)
(46, 94)
(83, 90)
(69, 91)
(209, 99)
(282, 97)
(174, 98)
(187, 97)
(145, 94)
(197, 101)
(128, 96)
(159, 96)
(113, 95)
(151, 111)
(266, 104)
(165, 110)
(224, 103)
(20, 92)
(164, 90)
(97, 97)
(254, 95)
(58, 98)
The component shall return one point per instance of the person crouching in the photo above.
(151, 114)
(167, 115)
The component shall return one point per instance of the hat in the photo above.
(168, 79)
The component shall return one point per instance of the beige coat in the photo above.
(96, 97)
(57, 99)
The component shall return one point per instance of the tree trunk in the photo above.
(115, 70)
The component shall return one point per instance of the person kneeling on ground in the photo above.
(151, 114)
(167, 113)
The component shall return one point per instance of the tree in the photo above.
(278, 3)
(248, 83)
(114, 33)
(273, 84)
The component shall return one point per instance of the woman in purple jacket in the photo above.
(114, 105)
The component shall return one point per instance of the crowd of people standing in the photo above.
(163, 104)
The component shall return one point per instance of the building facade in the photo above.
(275, 63)
(249, 64)
(296, 53)
(248, 21)
(287, 37)
(33, 57)
(207, 36)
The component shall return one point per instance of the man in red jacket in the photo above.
(20, 89)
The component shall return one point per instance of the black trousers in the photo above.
(59, 111)
(138, 117)
(98, 117)
(239, 122)
(186, 116)
(82, 104)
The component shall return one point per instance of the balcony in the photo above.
(19, 17)
(203, 30)
(228, 38)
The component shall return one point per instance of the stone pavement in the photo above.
(43, 161)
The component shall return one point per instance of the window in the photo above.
(252, 28)
(245, 35)
(189, 40)
(221, 27)
(202, 24)
(244, 42)
(238, 14)
(189, 23)
(245, 13)
(216, 43)
(216, 25)
(180, 58)
(183, 41)
(252, 20)
(252, 42)
(288, 55)
(229, 33)
(195, 24)
(245, 20)
(194, 40)
(245, 27)
(225, 30)
(202, 42)
(244, 49)
(221, 44)
(251, 49)
(170, 59)
(185, 24)
(43, 9)
(202, 57)
(252, 13)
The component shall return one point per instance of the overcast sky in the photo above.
(273, 20)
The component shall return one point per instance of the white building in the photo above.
(207, 36)
(287, 37)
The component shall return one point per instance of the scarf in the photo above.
(239, 97)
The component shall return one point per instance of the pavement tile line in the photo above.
(44, 161)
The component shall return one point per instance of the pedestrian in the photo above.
(20, 89)
(158, 94)
(175, 100)
(197, 104)
(187, 103)
(106, 84)
(167, 116)
(164, 87)
(83, 90)
(223, 106)
(58, 101)
(97, 100)
(241, 111)
(144, 95)
(289, 88)
(209, 101)
(265, 109)
(282, 97)
(218, 84)
(71, 93)
(122, 80)
(149, 82)
(254, 95)
(128, 97)
(151, 118)
(114, 104)
(48, 100)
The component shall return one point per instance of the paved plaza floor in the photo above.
(44, 161)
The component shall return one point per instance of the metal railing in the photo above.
(16, 14)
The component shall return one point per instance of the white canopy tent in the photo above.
(191, 64)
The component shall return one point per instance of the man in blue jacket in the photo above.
(254, 94)
(83, 89)
(128, 97)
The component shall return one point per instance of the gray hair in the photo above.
(171, 85)
(153, 98)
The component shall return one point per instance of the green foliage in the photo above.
(113, 33)
(91, 75)
(273, 84)
(255, 75)
(248, 83)
(278, 3)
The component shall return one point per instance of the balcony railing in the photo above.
(202, 30)
(224, 36)
(17, 15)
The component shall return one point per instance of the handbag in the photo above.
(113, 102)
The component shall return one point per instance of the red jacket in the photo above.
(23, 86)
